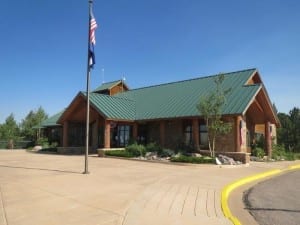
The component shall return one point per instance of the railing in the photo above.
(6, 144)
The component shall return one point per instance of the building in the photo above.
(167, 114)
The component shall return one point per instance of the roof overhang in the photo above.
(76, 111)
(260, 108)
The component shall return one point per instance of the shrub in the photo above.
(153, 147)
(43, 142)
(258, 152)
(190, 159)
(167, 153)
(119, 153)
(136, 150)
(278, 152)
(50, 149)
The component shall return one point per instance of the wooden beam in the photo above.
(107, 134)
(195, 129)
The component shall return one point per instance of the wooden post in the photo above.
(238, 134)
(195, 128)
(95, 134)
(107, 134)
(65, 134)
(162, 133)
(135, 131)
(268, 141)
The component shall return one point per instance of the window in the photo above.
(121, 135)
(203, 135)
(188, 134)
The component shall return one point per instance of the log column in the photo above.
(162, 128)
(95, 134)
(195, 129)
(268, 141)
(238, 134)
(107, 134)
(65, 134)
(135, 131)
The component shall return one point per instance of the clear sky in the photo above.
(43, 46)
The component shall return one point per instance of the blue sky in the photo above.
(43, 47)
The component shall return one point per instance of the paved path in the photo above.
(276, 201)
(51, 189)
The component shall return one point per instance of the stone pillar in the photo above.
(268, 141)
(65, 134)
(135, 131)
(238, 134)
(195, 129)
(162, 127)
(107, 134)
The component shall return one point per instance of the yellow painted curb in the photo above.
(294, 167)
(229, 188)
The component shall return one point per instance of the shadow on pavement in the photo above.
(42, 169)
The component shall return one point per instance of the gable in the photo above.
(111, 88)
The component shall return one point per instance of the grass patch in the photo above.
(191, 159)
(120, 153)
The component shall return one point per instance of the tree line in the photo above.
(27, 129)
(288, 134)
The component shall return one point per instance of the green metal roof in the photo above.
(171, 100)
(179, 99)
(52, 121)
(113, 107)
(106, 86)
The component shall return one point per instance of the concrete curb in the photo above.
(229, 188)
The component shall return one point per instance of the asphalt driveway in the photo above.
(276, 201)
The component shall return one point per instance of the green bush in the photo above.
(119, 153)
(136, 150)
(153, 147)
(167, 153)
(43, 142)
(190, 159)
(278, 152)
(50, 149)
(258, 152)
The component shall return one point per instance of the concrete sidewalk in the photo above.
(50, 189)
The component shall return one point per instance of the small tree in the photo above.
(210, 107)
(33, 118)
(9, 130)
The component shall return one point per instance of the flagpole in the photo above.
(88, 73)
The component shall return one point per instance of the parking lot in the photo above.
(51, 189)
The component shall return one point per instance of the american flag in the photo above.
(93, 26)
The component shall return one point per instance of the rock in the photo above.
(196, 155)
(218, 162)
(151, 155)
(177, 155)
(226, 160)
(37, 148)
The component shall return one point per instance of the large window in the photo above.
(203, 135)
(121, 135)
(188, 134)
(76, 134)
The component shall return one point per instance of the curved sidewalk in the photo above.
(51, 189)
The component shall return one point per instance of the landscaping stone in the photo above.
(37, 148)
(226, 160)
(196, 155)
